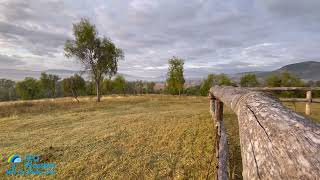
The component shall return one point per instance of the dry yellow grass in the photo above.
(134, 137)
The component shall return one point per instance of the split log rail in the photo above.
(308, 98)
(276, 142)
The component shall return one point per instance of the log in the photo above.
(308, 104)
(216, 109)
(315, 100)
(276, 142)
(293, 100)
(299, 100)
(284, 88)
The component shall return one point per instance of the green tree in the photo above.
(273, 81)
(7, 90)
(73, 85)
(98, 55)
(222, 80)
(193, 90)
(249, 80)
(213, 80)
(90, 88)
(48, 84)
(119, 84)
(29, 88)
(175, 79)
(206, 84)
(150, 87)
(284, 79)
(107, 86)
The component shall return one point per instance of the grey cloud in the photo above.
(293, 8)
(38, 42)
(10, 61)
(210, 35)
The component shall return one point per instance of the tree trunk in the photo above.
(98, 90)
(75, 95)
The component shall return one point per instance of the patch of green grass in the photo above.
(134, 137)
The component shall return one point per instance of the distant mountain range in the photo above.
(308, 70)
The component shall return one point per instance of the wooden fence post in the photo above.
(276, 142)
(216, 109)
(308, 104)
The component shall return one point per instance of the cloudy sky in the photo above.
(212, 36)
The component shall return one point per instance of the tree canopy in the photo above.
(7, 90)
(249, 80)
(212, 80)
(29, 88)
(119, 84)
(73, 85)
(98, 55)
(48, 83)
(284, 79)
(175, 79)
(206, 84)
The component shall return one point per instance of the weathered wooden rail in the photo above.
(276, 142)
(308, 98)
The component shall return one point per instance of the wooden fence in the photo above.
(276, 142)
(308, 98)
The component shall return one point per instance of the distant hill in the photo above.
(308, 70)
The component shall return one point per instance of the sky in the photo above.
(212, 36)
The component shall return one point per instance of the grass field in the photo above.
(135, 137)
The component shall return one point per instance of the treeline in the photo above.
(283, 79)
(52, 86)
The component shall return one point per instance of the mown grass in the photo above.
(134, 137)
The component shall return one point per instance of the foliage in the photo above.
(193, 90)
(99, 56)
(130, 87)
(175, 79)
(139, 87)
(29, 88)
(107, 86)
(73, 85)
(284, 79)
(7, 90)
(249, 80)
(212, 80)
(206, 84)
(48, 84)
(222, 80)
(119, 84)
(90, 88)
(315, 94)
(150, 87)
